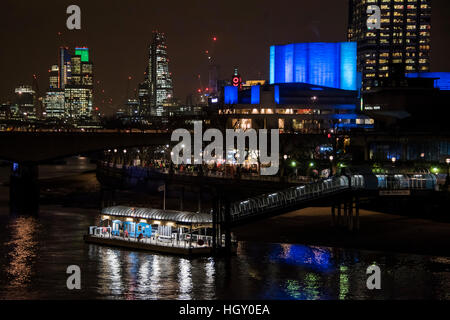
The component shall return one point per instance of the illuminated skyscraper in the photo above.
(160, 79)
(26, 102)
(64, 66)
(70, 94)
(404, 37)
(54, 77)
(54, 104)
(144, 104)
(79, 90)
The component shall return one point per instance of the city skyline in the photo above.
(238, 44)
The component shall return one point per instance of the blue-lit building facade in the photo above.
(313, 88)
(330, 65)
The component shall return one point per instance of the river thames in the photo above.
(35, 253)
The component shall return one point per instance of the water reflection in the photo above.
(22, 253)
(313, 257)
(343, 282)
(185, 280)
(35, 260)
(155, 278)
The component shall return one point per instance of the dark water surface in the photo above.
(36, 251)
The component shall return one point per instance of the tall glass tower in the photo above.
(160, 79)
(404, 37)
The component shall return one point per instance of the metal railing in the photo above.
(286, 198)
(106, 233)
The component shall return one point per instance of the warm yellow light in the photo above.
(143, 221)
(106, 218)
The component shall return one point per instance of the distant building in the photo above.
(441, 79)
(64, 66)
(54, 103)
(404, 37)
(70, 94)
(26, 101)
(144, 99)
(293, 107)
(5, 111)
(160, 79)
(132, 108)
(331, 65)
(54, 77)
(410, 103)
(78, 102)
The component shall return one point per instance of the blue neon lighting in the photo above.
(348, 70)
(442, 82)
(277, 94)
(324, 64)
(256, 94)
(231, 95)
(272, 64)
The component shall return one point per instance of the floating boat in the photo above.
(156, 230)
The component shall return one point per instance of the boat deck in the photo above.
(180, 248)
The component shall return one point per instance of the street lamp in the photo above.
(285, 157)
(394, 160)
(331, 165)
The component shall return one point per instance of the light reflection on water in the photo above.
(22, 252)
(34, 257)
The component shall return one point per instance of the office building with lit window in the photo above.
(144, 102)
(54, 77)
(70, 93)
(79, 90)
(25, 99)
(54, 104)
(78, 102)
(404, 37)
(159, 77)
(64, 66)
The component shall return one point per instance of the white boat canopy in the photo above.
(159, 214)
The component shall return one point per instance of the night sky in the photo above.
(119, 33)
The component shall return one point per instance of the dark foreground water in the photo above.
(36, 251)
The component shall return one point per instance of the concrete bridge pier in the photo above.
(345, 218)
(350, 214)
(24, 189)
(215, 215)
(345, 213)
(227, 229)
(333, 215)
(356, 226)
(339, 214)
